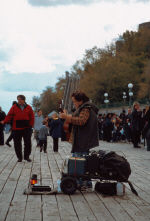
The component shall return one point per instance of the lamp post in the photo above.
(124, 97)
(106, 101)
(130, 86)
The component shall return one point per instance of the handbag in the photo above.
(106, 188)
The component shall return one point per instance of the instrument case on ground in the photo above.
(76, 165)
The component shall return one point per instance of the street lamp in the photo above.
(130, 86)
(106, 101)
(124, 97)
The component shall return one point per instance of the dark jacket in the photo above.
(86, 136)
(56, 128)
(147, 115)
(146, 130)
(21, 119)
(108, 123)
(2, 117)
(43, 132)
(128, 117)
(136, 120)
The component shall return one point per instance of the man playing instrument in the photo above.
(84, 133)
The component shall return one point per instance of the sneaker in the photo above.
(41, 149)
(28, 159)
(37, 145)
(19, 160)
(45, 151)
(8, 144)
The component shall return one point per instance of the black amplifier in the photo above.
(93, 164)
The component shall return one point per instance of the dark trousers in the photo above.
(115, 135)
(10, 137)
(26, 135)
(55, 144)
(1, 135)
(108, 134)
(104, 133)
(136, 137)
(100, 134)
(43, 142)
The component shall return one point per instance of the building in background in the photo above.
(145, 25)
(120, 40)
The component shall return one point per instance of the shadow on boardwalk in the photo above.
(14, 178)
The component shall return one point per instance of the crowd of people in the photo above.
(86, 126)
(126, 127)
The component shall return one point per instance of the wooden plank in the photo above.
(98, 207)
(14, 178)
(81, 207)
(115, 209)
(65, 207)
(50, 208)
(16, 211)
(132, 210)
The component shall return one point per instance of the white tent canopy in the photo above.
(49, 115)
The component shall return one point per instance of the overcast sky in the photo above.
(41, 39)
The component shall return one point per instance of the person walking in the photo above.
(37, 125)
(7, 128)
(48, 120)
(135, 124)
(2, 116)
(23, 121)
(43, 132)
(109, 127)
(56, 131)
(100, 121)
(11, 134)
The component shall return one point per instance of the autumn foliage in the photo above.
(108, 70)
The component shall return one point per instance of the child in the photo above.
(43, 132)
(55, 130)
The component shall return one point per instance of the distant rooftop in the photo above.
(144, 25)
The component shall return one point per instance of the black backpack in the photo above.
(119, 164)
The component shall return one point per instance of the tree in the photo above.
(100, 71)
(144, 91)
(35, 103)
(60, 85)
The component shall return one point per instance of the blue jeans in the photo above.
(7, 128)
(80, 153)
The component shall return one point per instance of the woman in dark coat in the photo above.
(2, 116)
(136, 124)
(109, 127)
(55, 130)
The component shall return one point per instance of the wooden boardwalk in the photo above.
(82, 206)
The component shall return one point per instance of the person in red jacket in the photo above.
(23, 121)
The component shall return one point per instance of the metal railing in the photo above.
(122, 104)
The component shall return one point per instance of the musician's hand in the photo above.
(65, 111)
(62, 115)
(2, 122)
